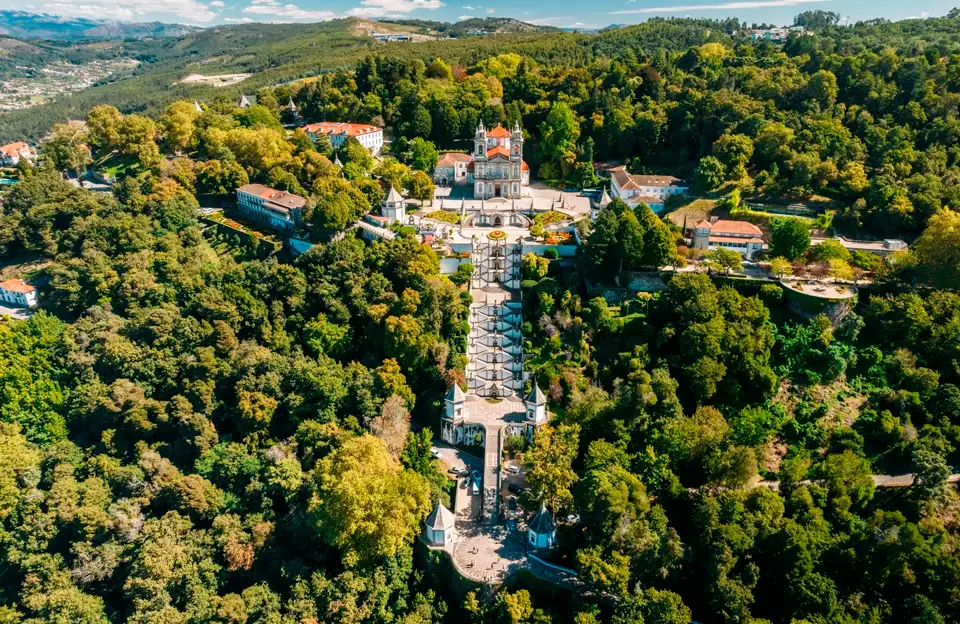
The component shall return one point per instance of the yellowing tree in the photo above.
(939, 246)
(551, 464)
(178, 126)
(365, 503)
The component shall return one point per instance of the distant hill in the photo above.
(23, 25)
(492, 25)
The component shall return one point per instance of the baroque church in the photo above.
(495, 169)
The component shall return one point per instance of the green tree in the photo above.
(789, 238)
(559, 132)
(423, 154)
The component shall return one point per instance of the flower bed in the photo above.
(497, 235)
(550, 217)
(558, 238)
(443, 215)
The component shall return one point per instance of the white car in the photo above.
(513, 469)
(435, 452)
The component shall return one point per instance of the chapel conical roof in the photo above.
(393, 197)
(455, 394)
(536, 396)
(542, 522)
(441, 518)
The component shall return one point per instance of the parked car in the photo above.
(573, 518)
(513, 469)
(476, 475)
(512, 502)
(435, 452)
(456, 470)
(516, 488)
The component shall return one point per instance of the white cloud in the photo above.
(491, 10)
(750, 4)
(191, 11)
(217, 3)
(468, 8)
(238, 20)
(379, 8)
(274, 12)
(464, 17)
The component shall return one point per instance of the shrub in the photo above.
(551, 254)
(771, 293)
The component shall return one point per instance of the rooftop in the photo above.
(451, 158)
(499, 133)
(542, 522)
(282, 199)
(725, 227)
(18, 286)
(13, 149)
(441, 518)
(631, 181)
(341, 127)
(536, 396)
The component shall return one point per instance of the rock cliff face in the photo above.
(836, 312)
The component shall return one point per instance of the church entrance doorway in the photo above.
(496, 192)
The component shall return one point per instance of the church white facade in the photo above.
(498, 167)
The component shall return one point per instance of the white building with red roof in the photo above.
(12, 153)
(741, 236)
(279, 210)
(652, 190)
(452, 169)
(18, 293)
(371, 137)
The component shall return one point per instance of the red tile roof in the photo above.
(630, 181)
(13, 149)
(340, 127)
(733, 228)
(451, 158)
(499, 133)
(18, 285)
(498, 151)
(281, 199)
(524, 166)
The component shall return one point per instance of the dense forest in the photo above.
(193, 434)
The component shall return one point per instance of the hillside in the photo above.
(26, 25)
(278, 53)
(489, 25)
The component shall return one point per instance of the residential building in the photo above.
(451, 169)
(277, 209)
(775, 35)
(371, 137)
(652, 190)
(18, 293)
(740, 236)
(12, 153)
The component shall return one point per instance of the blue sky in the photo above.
(562, 13)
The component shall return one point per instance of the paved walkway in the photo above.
(490, 554)
(904, 480)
